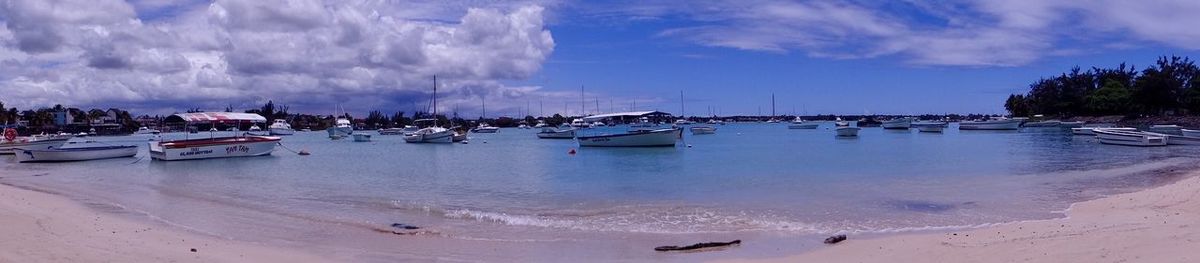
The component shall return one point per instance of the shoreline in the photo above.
(1156, 224)
(47, 227)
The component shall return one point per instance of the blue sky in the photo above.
(819, 57)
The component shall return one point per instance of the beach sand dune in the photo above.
(43, 227)
(1155, 225)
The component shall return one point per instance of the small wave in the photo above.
(642, 220)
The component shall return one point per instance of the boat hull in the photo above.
(1190, 133)
(654, 138)
(359, 137)
(75, 154)
(565, 134)
(339, 131)
(213, 148)
(703, 130)
(990, 125)
(1129, 138)
(901, 124)
(10, 147)
(1091, 131)
(1177, 139)
(803, 126)
(930, 128)
(486, 130)
(435, 137)
(282, 131)
(847, 131)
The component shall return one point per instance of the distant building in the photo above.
(63, 117)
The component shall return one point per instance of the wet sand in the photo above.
(1153, 225)
(44, 227)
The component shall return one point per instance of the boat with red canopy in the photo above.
(240, 145)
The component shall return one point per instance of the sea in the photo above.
(512, 197)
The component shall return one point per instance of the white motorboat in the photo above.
(551, 133)
(683, 122)
(898, 124)
(391, 131)
(1167, 129)
(1089, 130)
(74, 154)
(540, 124)
(341, 128)
(145, 130)
(458, 136)
(11, 142)
(215, 147)
(1190, 133)
(1043, 124)
(1108, 136)
(698, 130)
(1177, 139)
(929, 126)
(995, 124)
(634, 138)
(485, 128)
(522, 126)
(579, 123)
(847, 131)
(801, 124)
(255, 130)
(281, 127)
(361, 137)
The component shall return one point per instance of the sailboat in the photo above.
(341, 126)
(431, 133)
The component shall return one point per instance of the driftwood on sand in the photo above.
(835, 239)
(698, 246)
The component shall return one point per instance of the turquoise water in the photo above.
(531, 200)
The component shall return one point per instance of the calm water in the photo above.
(528, 199)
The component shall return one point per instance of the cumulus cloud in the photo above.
(312, 54)
(968, 33)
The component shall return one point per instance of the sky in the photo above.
(726, 57)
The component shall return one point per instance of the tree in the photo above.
(1017, 105)
(1112, 98)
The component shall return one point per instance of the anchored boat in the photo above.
(634, 138)
(1129, 138)
(551, 133)
(75, 154)
(995, 124)
(215, 147)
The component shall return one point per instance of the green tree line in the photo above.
(1169, 87)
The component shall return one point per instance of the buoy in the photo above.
(465, 141)
(689, 146)
(304, 152)
(571, 152)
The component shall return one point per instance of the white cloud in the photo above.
(308, 53)
(971, 33)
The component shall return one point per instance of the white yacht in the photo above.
(993, 124)
(540, 124)
(1128, 138)
(633, 138)
(145, 130)
(551, 133)
(281, 127)
(898, 123)
(929, 126)
(485, 128)
(341, 128)
(801, 124)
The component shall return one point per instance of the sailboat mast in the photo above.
(772, 105)
(582, 102)
(681, 113)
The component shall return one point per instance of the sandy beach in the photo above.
(43, 227)
(1153, 225)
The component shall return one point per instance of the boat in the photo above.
(485, 128)
(579, 123)
(1190, 133)
(844, 130)
(458, 136)
(1167, 129)
(634, 138)
(773, 120)
(431, 133)
(306, 130)
(74, 154)
(255, 130)
(523, 126)
(215, 147)
(993, 124)
(929, 126)
(698, 130)
(1043, 124)
(145, 130)
(551, 133)
(540, 124)
(341, 128)
(1177, 139)
(281, 127)
(801, 124)
(11, 142)
(1128, 138)
(898, 124)
(1089, 130)
(391, 131)
(683, 122)
(361, 137)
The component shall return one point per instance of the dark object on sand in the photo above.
(698, 246)
(835, 239)
(405, 226)
(193, 250)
